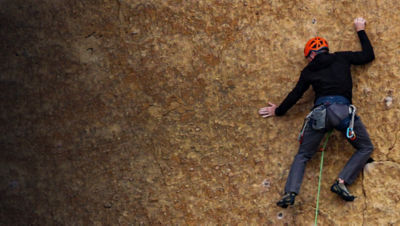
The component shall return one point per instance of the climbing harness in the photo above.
(320, 176)
(350, 134)
(318, 117)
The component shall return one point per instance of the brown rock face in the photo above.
(145, 112)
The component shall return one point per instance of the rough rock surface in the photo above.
(145, 112)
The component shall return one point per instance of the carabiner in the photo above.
(350, 134)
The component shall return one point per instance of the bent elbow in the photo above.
(372, 56)
(369, 54)
(369, 57)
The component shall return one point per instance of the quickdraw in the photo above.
(306, 120)
(350, 134)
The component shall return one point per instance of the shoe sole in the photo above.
(346, 198)
(282, 205)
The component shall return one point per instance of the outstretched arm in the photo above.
(291, 99)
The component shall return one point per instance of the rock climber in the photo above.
(329, 75)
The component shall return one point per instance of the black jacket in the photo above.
(329, 74)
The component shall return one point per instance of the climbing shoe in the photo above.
(341, 190)
(287, 199)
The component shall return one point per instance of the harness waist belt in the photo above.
(331, 100)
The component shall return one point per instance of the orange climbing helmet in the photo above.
(314, 45)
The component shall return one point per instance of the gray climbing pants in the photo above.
(311, 142)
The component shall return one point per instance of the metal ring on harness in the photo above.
(350, 134)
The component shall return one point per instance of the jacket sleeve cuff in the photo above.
(361, 32)
(279, 112)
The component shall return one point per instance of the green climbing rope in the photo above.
(320, 175)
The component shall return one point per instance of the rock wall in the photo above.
(145, 112)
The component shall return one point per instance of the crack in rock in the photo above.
(365, 198)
